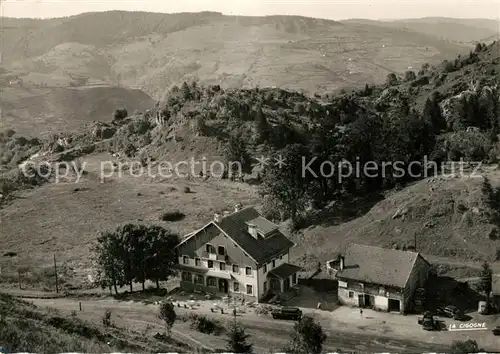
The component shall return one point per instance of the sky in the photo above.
(331, 9)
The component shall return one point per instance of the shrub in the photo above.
(106, 320)
(206, 325)
(464, 347)
(410, 75)
(391, 79)
(168, 315)
(187, 190)
(173, 216)
(449, 66)
(120, 114)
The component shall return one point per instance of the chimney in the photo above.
(342, 262)
(237, 208)
(252, 230)
(217, 218)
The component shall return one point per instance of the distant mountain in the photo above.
(459, 31)
(153, 51)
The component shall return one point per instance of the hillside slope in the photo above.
(42, 111)
(26, 327)
(389, 122)
(443, 216)
(154, 51)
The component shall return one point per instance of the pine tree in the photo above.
(432, 113)
(486, 278)
(263, 127)
(237, 340)
(489, 193)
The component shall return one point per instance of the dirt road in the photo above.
(266, 333)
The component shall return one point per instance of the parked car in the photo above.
(496, 331)
(429, 322)
(460, 316)
(287, 313)
(453, 312)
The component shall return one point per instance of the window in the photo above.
(186, 276)
(294, 278)
(265, 268)
(281, 256)
(236, 268)
(198, 279)
(274, 263)
(351, 294)
(265, 286)
(185, 259)
(236, 287)
(248, 270)
(212, 282)
(197, 262)
(222, 266)
(210, 264)
(221, 250)
(210, 248)
(249, 290)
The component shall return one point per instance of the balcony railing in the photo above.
(207, 255)
(222, 257)
(214, 256)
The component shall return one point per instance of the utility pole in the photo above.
(415, 241)
(55, 272)
(19, 279)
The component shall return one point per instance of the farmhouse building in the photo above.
(241, 254)
(379, 278)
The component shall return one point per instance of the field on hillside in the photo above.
(64, 219)
(38, 112)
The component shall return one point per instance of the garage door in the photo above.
(394, 305)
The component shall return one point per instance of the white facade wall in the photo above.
(382, 303)
(262, 277)
(239, 277)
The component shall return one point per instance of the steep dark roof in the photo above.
(284, 270)
(378, 265)
(261, 249)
